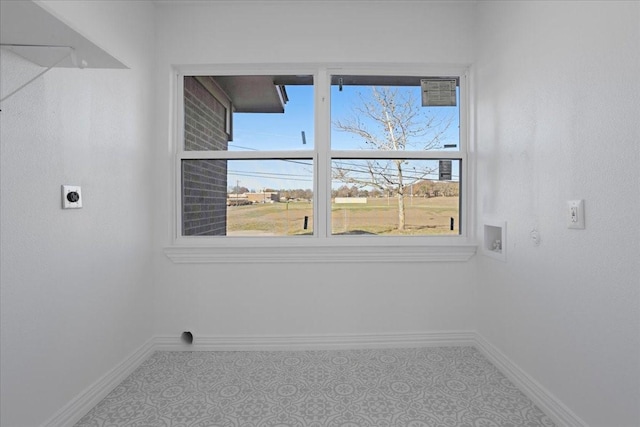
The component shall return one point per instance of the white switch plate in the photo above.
(575, 214)
(69, 204)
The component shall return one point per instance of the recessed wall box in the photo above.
(494, 243)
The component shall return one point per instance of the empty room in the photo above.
(320, 213)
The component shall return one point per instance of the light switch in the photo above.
(575, 214)
(71, 197)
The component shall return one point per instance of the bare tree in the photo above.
(391, 120)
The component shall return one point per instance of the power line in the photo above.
(269, 177)
(268, 173)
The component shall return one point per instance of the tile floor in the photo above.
(420, 387)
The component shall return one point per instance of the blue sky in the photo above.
(275, 131)
(255, 131)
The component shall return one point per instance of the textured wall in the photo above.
(326, 298)
(558, 118)
(204, 118)
(75, 284)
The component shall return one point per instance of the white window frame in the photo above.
(321, 246)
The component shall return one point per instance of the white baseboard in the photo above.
(83, 402)
(547, 402)
(316, 342)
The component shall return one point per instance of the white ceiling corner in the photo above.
(30, 31)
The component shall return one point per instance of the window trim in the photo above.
(321, 246)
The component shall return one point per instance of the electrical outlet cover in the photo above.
(71, 197)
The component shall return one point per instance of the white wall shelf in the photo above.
(34, 33)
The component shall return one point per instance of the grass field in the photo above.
(424, 216)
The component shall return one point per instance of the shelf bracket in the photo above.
(67, 52)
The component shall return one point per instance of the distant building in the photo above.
(264, 197)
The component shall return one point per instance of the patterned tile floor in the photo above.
(435, 387)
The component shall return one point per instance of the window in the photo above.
(395, 156)
(321, 158)
(247, 156)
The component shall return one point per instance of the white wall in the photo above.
(558, 113)
(305, 299)
(76, 284)
(281, 31)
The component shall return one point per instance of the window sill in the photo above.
(320, 253)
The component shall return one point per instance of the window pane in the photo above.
(387, 113)
(247, 197)
(395, 197)
(255, 113)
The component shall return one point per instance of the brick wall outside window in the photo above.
(204, 182)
